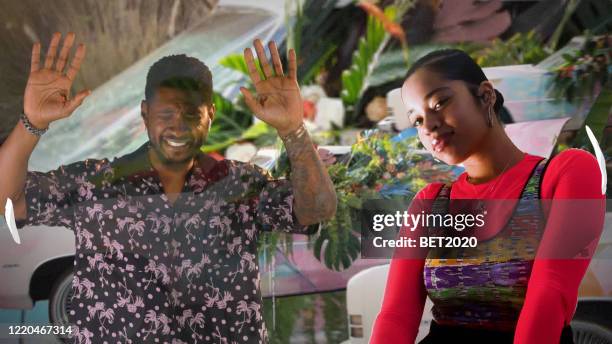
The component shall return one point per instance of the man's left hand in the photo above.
(278, 101)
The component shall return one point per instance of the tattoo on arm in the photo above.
(314, 193)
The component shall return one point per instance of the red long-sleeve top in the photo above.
(552, 291)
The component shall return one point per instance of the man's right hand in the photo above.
(47, 94)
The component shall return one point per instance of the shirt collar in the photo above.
(137, 166)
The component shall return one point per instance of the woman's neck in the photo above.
(495, 155)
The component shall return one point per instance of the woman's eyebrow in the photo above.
(431, 93)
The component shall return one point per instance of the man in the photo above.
(166, 236)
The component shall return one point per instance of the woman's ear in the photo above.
(487, 93)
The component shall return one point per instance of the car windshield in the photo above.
(108, 124)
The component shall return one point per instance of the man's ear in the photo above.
(143, 109)
(211, 111)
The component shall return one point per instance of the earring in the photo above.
(490, 119)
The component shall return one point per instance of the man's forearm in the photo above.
(313, 190)
(14, 155)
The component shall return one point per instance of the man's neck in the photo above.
(169, 171)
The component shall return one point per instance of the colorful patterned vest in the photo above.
(487, 290)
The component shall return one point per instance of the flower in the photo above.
(392, 28)
(310, 110)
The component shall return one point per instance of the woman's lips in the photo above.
(440, 142)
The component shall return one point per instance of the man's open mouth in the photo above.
(176, 143)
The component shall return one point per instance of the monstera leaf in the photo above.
(338, 245)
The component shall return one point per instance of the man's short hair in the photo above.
(181, 72)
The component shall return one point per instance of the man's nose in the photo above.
(179, 122)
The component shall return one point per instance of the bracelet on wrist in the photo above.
(296, 134)
(30, 127)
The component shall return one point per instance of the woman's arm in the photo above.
(405, 293)
(402, 308)
(575, 216)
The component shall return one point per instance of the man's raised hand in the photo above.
(47, 94)
(278, 101)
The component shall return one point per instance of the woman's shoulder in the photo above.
(573, 172)
(574, 161)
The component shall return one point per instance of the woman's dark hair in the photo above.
(180, 72)
(455, 64)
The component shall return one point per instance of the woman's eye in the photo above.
(417, 122)
(438, 106)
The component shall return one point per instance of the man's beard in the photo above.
(166, 159)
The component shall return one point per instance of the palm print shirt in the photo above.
(148, 271)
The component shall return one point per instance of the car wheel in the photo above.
(590, 333)
(59, 299)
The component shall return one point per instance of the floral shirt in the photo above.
(148, 271)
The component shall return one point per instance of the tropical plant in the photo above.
(233, 123)
(314, 33)
(300, 317)
(354, 79)
(581, 70)
(521, 48)
(569, 10)
(237, 63)
(378, 167)
(228, 125)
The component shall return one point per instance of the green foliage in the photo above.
(315, 34)
(335, 322)
(232, 124)
(583, 69)
(285, 315)
(299, 316)
(377, 168)
(597, 120)
(339, 238)
(237, 63)
(570, 7)
(392, 64)
(354, 79)
(518, 49)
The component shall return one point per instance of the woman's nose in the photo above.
(431, 123)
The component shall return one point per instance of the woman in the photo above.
(455, 109)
